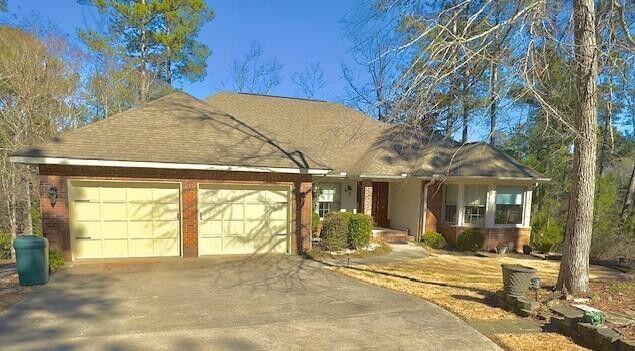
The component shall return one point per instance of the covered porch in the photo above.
(393, 203)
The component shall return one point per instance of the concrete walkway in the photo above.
(274, 302)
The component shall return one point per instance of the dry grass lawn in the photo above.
(466, 285)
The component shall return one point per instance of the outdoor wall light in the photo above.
(52, 193)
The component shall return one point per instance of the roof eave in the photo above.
(43, 160)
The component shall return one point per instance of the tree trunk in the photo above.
(143, 65)
(28, 219)
(628, 202)
(493, 103)
(465, 104)
(574, 268)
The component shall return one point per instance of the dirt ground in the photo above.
(10, 290)
(466, 286)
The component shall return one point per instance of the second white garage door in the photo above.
(242, 219)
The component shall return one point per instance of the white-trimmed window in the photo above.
(451, 197)
(328, 198)
(475, 204)
(509, 205)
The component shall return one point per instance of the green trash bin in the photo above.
(32, 259)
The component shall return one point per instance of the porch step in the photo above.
(392, 236)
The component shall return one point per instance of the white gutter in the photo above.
(169, 165)
(402, 176)
(488, 178)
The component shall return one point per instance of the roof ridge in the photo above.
(270, 96)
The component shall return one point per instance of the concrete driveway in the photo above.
(247, 303)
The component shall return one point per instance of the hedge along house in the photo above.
(236, 174)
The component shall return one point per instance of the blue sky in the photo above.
(297, 33)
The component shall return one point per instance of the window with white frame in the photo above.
(475, 203)
(328, 198)
(509, 205)
(451, 197)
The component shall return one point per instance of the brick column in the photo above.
(301, 220)
(367, 197)
(55, 218)
(190, 218)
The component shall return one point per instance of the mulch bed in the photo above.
(10, 291)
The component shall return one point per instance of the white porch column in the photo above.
(490, 207)
(460, 204)
(527, 207)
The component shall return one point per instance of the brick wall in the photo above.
(55, 220)
(514, 238)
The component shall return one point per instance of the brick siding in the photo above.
(513, 238)
(55, 220)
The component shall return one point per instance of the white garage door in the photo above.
(117, 219)
(242, 219)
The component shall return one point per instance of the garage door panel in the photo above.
(210, 246)
(279, 212)
(257, 227)
(140, 211)
(211, 228)
(139, 194)
(140, 229)
(114, 230)
(254, 211)
(234, 244)
(86, 211)
(278, 227)
(166, 229)
(113, 212)
(86, 193)
(115, 248)
(233, 228)
(113, 194)
(141, 247)
(166, 247)
(166, 211)
(277, 196)
(88, 248)
(278, 244)
(90, 229)
(165, 195)
(255, 196)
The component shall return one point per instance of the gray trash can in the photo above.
(32, 259)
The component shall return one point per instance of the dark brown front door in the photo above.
(380, 204)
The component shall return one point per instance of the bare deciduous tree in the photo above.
(311, 81)
(38, 96)
(254, 73)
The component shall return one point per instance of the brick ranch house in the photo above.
(236, 174)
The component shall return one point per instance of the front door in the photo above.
(380, 204)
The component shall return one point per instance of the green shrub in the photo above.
(360, 229)
(56, 260)
(434, 240)
(315, 222)
(5, 245)
(334, 231)
(470, 240)
(547, 238)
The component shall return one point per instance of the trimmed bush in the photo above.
(470, 240)
(434, 240)
(315, 222)
(360, 229)
(56, 260)
(5, 245)
(334, 232)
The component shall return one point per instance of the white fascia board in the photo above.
(368, 176)
(168, 165)
(525, 179)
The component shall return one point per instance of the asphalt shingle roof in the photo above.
(264, 131)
